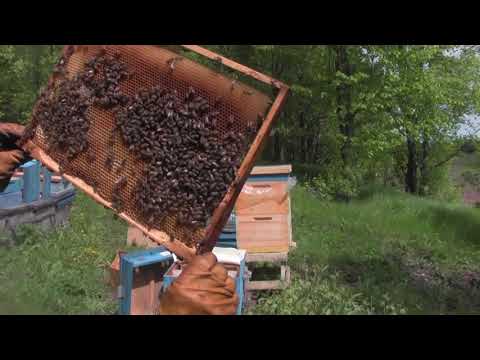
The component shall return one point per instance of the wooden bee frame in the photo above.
(222, 213)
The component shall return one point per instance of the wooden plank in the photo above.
(261, 233)
(272, 170)
(288, 276)
(235, 66)
(265, 249)
(266, 285)
(283, 273)
(290, 226)
(267, 257)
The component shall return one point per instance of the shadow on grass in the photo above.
(412, 282)
(464, 224)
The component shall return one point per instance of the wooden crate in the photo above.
(264, 213)
(141, 280)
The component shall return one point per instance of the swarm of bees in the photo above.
(61, 110)
(190, 165)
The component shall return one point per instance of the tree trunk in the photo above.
(344, 103)
(424, 168)
(411, 180)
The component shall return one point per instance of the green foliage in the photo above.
(342, 185)
(441, 187)
(320, 293)
(23, 70)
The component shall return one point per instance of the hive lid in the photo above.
(229, 255)
(272, 170)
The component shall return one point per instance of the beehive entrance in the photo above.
(108, 159)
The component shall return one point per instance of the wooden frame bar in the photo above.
(235, 66)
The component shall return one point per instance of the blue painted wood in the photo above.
(132, 261)
(149, 257)
(47, 183)
(275, 178)
(222, 244)
(31, 181)
(228, 237)
(241, 287)
(13, 187)
(126, 280)
(10, 201)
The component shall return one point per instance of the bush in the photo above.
(306, 172)
(440, 186)
(340, 185)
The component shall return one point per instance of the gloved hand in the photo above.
(203, 288)
(11, 157)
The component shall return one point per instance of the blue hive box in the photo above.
(141, 280)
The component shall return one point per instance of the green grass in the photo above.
(62, 272)
(388, 253)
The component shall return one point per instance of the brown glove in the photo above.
(11, 157)
(203, 288)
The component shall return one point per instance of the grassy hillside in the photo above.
(388, 253)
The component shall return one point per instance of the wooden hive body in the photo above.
(264, 213)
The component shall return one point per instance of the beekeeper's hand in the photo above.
(203, 288)
(11, 157)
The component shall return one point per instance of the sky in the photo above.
(472, 127)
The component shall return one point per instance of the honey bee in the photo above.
(173, 62)
(121, 167)
(121, 182)
(109, 161)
